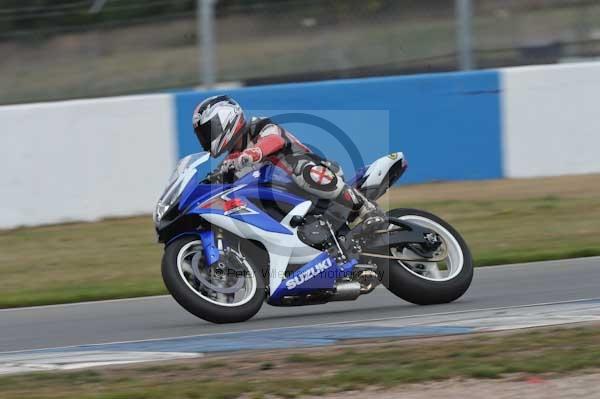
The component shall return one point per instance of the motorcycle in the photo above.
(233, 244)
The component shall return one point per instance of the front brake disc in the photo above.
(208, 284)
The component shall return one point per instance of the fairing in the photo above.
(236, 208)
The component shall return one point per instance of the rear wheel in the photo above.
(442, 280)
(232, 290)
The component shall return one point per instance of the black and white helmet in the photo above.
(219, 123)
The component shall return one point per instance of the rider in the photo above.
(220, 126)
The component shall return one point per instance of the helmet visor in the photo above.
(208, 132)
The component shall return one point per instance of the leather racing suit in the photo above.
(266, 141)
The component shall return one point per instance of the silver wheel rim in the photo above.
(446, 270)
(239, 298)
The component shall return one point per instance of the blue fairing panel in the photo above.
(250, 186)
(269, 194)
(212, 202)
(258, 218)
(253, 181)
(320, 274)
(196, 193)
(266, 174)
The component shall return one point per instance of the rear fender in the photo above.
(381, 175)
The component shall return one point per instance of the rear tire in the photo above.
(193, 302)
(422, 290)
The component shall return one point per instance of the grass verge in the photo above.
(504, 221)
(325, 370)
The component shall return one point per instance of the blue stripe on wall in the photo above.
(448, 125)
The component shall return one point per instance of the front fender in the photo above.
(169, 229)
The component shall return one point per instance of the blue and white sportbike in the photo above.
(232, 245)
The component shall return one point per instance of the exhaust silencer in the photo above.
(346, 291)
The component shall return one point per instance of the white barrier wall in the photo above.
(551, 120)
(84, 159)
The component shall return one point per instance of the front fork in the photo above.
(211, 247)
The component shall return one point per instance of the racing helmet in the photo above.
(218, 123)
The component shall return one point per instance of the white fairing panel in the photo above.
(282, 248)
(379, 169)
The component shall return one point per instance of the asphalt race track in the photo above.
(160, 317)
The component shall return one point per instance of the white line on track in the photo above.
(102, 302)
(458, 312)
(143, 298)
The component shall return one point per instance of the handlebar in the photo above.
(221, 176)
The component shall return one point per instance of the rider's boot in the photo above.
(369, 216)
(364, 212)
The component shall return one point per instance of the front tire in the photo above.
(423, 283)
(196, 298)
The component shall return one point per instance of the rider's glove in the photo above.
(248, 157)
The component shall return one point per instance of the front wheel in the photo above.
(230, 291)
(425, 283)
